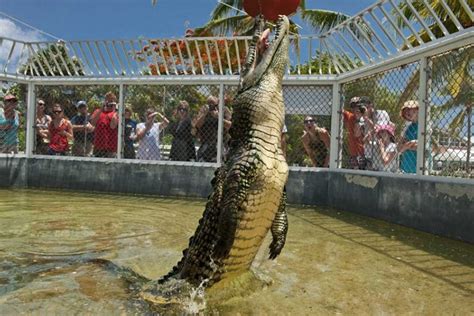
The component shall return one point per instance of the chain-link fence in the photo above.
(305, 136)
(449, 115)
(13, 109)
(76, 121)
(177, 123)
(380, 121)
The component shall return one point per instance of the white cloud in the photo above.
(10, 30)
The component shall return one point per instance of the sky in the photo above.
(123, 19)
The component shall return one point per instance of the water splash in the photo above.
(197, 301)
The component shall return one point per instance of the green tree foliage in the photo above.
(52, 61)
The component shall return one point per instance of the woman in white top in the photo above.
(148, 136)
(386, 159)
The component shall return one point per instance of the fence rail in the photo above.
(385, 30)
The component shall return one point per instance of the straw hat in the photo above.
(411, 104)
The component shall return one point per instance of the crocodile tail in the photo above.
(196, 264)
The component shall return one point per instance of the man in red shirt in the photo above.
(105, 121)
(355, 127)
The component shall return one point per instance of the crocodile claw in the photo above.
(275, 248)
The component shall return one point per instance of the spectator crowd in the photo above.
(371, 135)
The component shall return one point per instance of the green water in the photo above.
(333, 262)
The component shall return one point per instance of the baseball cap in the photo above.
(81, 103)
(9, 97)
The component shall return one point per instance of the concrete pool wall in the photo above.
(442, 206)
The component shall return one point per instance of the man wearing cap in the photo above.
(206, 124)
(371, 119)
(353, 121)
(105, 121)
(83, 131)
(9, 124)
(42, 123)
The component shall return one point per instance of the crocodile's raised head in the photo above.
(266, 59)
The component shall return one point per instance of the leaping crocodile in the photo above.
(248, 196)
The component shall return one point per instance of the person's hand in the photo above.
(214, 114)
(412, 144)
(89, 127)
(380, 142)
(203, 110)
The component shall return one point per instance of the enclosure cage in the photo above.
(399, 54)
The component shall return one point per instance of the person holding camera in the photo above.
(148, 135)
(105, 123)
(356, 127)
(206, 125)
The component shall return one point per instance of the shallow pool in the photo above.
(333, 262)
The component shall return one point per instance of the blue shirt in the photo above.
(9, 136)
(408, 157)
(80, 119)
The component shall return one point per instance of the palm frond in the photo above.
(322, 20)
(222, 11)
(239, 24)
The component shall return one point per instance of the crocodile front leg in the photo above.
(279, 228)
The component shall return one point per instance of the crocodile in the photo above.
(248, 198)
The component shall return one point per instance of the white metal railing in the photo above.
(389, 27)
(382, 31)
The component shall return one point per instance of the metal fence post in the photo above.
(220, 126)
(423, 105)
(334, 148)
(30, 120)
(120, 131)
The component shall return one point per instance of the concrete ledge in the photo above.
(442, 206)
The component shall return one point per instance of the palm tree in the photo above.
(224, 19)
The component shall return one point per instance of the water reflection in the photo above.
(334, 262)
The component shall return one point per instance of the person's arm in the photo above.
(387, 156)
(164, 122)
(114, 120)
(75, 127)
(141, 131)
(201, 116)
(68, 132)
(227, 124)
(95, 117)
(148, 125)
(307, 148)
(326, 138)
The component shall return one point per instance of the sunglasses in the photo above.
(111, 104)
(57, 112)
(11, 101)
(182, 110)
(308, 121)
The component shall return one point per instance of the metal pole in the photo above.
(30, 120)
(120, 123)
(423, 104)
(334, 148)
(220, 126)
